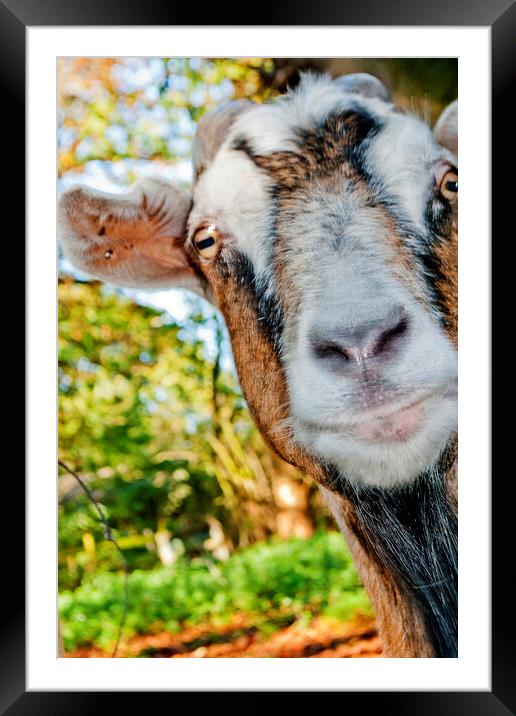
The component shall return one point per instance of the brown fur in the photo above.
(261, 374)
(399, 622)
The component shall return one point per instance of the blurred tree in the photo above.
(159, 431)
(145, 108)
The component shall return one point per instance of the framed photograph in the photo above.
(301, 176)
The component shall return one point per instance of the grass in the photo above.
(272, 583)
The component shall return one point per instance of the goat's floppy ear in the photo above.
(363, 84)
(134, 239)
(446, 129)
(212, 129)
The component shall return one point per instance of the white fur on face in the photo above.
(233, 194)
(402, 157)
(388, 431)
(273, 127)
(345, 272)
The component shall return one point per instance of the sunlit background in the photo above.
(230, 551)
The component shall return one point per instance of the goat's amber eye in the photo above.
(449, 185)
(207, 241)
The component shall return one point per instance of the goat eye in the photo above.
(207, 242)
(449, 185)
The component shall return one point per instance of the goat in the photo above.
(323, 225)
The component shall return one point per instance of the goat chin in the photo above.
(385, 463)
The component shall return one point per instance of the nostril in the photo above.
(389, 337)
(361, 345)
(330, 350)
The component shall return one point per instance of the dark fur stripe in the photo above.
(413, 531)
(322, 150)
(434, 277)
(342, 137)
(270, 315)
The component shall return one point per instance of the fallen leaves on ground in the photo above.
(322, 638)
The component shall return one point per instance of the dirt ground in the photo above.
(320, 639)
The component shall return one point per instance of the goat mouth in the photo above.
(398, 426)
(394, 422)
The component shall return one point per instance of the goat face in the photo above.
(337, 212)
(323, 225)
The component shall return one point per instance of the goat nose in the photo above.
(377, 340)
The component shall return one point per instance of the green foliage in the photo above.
(122, 108)
(159, 432)
(134, 404)
(290, 579)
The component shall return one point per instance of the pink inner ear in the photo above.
(137, 254)
(168, 252)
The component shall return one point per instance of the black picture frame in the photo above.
(500, 15)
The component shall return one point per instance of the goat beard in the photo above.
(411, 531)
